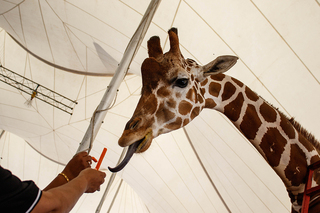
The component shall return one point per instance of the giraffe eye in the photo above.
(181, 82)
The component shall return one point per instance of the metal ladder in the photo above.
(309, 191)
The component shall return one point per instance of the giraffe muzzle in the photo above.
(137, 147)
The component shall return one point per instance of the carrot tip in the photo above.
(94, 159)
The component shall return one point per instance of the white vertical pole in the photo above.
(132, 49)
(101, 111)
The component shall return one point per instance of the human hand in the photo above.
(78, 163)
(94, 179)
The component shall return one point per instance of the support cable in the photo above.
(115, 196)
(111, 179)
(2, 132)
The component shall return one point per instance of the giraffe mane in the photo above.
(303, 131)
(310, 137)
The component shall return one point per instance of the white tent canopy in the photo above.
(74, 47)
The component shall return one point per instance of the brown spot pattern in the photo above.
(273, 144)
(195, 95)
(151, 72)
(251, 95)
(163, 92)
(171, 103)
(184, 107)
(199, 98)
(210, 103)
(314, 159)
(186, 121)
(240, 84)
(174, 125)
(218, 77)
(214, 89)
(250, 123)
(297, 167)
(228, 90)
(287, 127)
(195, 86)
(151, 102)
(202, 91)
(204, 82)
(195, 112)
(268, 113)
(233, 109)
(306, 143)
(191, 95)
(164, 114)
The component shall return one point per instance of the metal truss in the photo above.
(36, 90)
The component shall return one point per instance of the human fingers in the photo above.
(82, 154)
(83, 159)
(79, 162)
(95, 179)
(87, 161)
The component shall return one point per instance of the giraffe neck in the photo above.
(267, 129)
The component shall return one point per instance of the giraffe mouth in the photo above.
(145, 142)
(137, 147)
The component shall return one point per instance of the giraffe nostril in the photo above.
(134, 123)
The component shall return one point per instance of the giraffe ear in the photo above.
(219, 65)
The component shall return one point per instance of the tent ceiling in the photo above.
(73, 48)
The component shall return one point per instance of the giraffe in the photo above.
(175, 90)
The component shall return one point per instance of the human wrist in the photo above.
(68, 173)
(84, 179)
(58, 181)
(65, 176)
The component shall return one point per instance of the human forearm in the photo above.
(67, 195)
(58, 181)
(79, 162)
(64, 197)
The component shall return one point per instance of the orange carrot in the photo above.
(94, 159)
(101, 158)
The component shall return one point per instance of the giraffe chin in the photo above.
(137, 147)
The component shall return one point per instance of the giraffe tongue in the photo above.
(131, 150)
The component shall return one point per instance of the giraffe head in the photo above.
(172, 94)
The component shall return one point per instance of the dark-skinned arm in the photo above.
(78, 163)
(64, 197)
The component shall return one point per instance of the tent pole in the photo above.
(101, 111)
(137, 39)
(115, 196)
(132, 48)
